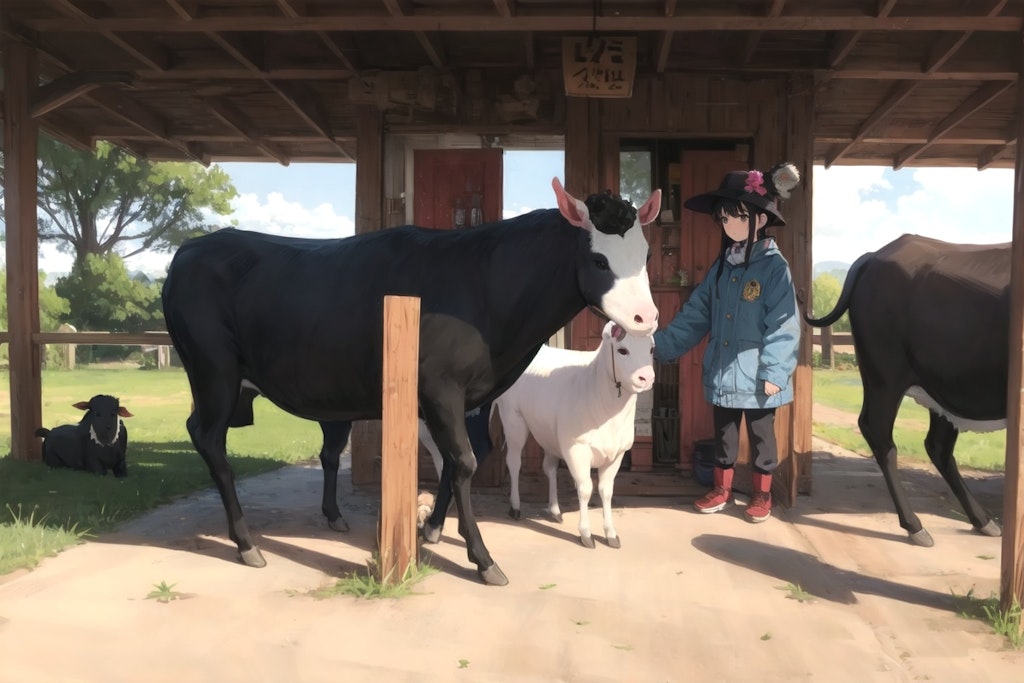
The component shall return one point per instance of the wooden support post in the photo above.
(400, 442)
(20, 180)
(1012, 569)
(828, 355)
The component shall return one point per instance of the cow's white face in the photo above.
(633, 357)
(613, 276)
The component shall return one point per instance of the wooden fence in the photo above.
(828, 341)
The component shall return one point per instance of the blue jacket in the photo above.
(754, 330)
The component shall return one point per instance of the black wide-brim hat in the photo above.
(743, 186)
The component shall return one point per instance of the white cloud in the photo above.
(859, 209)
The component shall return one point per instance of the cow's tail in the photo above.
(42, 431)
(844, 297)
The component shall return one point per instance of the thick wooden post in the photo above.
(20, 195)
(366, 435)
(400, 440)
(828, 354)
(1012, 570)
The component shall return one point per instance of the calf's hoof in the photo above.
(922, 538)
(514, 514)
(990, 529)
(252, 557)
(493, 576)
(588, 542)
(614, 542)
(338, 524)
(431, 534)
(552, 517)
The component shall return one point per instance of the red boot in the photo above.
(718, 498)
(760, 507)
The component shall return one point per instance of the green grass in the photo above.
(43, 511)
(369, 584)
(841, 390)
(1005, 623)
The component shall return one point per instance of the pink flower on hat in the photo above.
(755, 183)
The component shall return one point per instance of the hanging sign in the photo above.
(598, 66)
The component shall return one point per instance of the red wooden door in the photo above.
(459, 189)
(700, 242)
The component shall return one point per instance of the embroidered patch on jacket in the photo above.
(751, 290)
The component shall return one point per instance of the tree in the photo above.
(53, 311)
(111, 202)
(102, 296)
(825, 291)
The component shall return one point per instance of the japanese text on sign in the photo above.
(595, 66)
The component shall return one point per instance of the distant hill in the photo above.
(837, 268)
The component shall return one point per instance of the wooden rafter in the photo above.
(287, 9)
(754, 37)
(845, 41)
(229, 114)
(897, 94)
(505, 8)
(979, 99)
(298, 97)
(64, 89)
(575, 20)
(431, 43)
(146, 53)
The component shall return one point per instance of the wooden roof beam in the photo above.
(288, 10)
(144, 119)
(145, 53)
(541, 19)
(897, 94)
(845, 41)
(664, 48)
(978, 100)
(68, 87)
(430, 42)
(229, 114)
(505, 8)
(989, 155)
(303, 102)
(942, 49)
(754, 37)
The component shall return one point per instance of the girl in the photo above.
(748, 307)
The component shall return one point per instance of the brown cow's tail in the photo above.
(844, 297)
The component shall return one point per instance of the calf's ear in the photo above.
(123, 412)
(651, 208)
(81, 405)
(572, 209)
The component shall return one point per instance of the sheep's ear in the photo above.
(81, 405)
(123, 412)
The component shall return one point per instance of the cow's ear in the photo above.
(572, 209)
(81, 405)
(618, 333)
(123, 412)
(651, 208)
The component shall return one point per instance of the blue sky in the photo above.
(856, 209)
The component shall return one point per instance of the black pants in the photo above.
(760, 433)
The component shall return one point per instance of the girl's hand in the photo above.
(771, 389)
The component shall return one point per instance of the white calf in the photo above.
(579, 405)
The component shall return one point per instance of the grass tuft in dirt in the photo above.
(164, 592)
(25, 540)
(796, 592)
(1006, 623)
(368, 584)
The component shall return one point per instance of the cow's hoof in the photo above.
(252, 557)
(493, 576)
(990, 529)
(514, 514)
(588, 541)
(339, 524)
(552, 517)
(614, 542)
(922, 538)
(430, 534)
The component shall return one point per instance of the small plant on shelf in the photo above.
(680, 279)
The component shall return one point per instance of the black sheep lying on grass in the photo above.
(99, 442)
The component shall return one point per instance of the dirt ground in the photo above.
(688, 597)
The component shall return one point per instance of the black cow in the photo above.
(300, 322)
(99, 442)
(930, 321)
